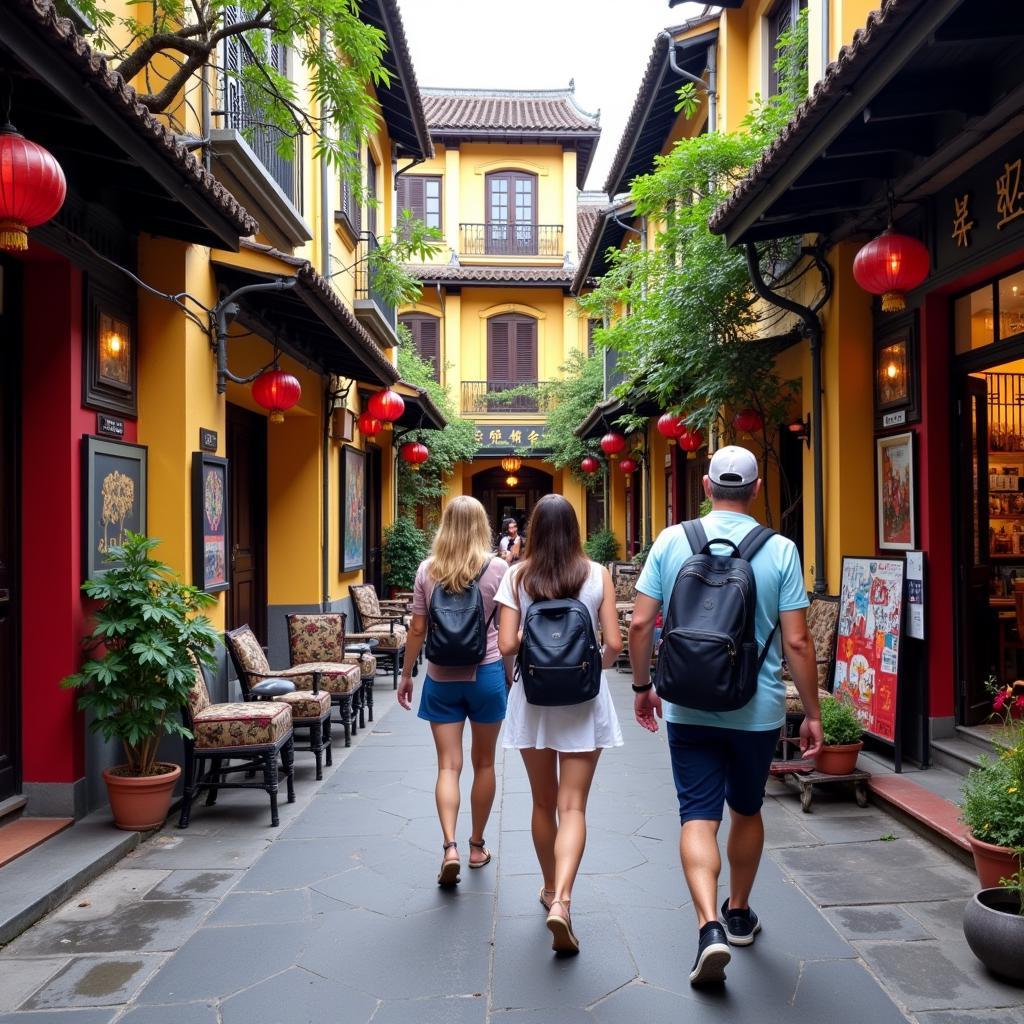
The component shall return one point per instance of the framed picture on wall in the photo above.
(210, 560)
(114, 499)
(110, 359)
(353, 509)
(897, 503)
(895, 367)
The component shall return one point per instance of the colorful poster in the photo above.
(353, 510)
(868, 641)
(210, 514)
(896, 502)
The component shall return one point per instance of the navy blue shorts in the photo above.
(482, 701)
(712, 766)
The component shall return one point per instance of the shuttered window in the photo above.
(512, 348)
(420, 194)
(426, 336)
(350, 206)
(783, 17)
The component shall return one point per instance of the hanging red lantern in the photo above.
(32, 188)
(691, 439)
(669, 427)
(891, 265)
(749, 421)
(386, 406)
(369, 425)
(277, 392)
(415, 454)
(613, 443)
(588, 464)
(628, 466)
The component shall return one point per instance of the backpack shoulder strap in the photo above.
(695, 535)
(754, 541)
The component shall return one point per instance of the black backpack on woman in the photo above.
(559, 659)
(457, 626)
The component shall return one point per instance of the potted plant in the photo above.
(142, 652)
(994, 926)
(842, 731)
(602, 546)
(405, 546)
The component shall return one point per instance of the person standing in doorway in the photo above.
(462, 558)
(721, 757)
(511, 544)
(560, 745)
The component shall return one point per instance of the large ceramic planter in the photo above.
(994, 929)
(140, 804)
(840, 759)
(992, 862)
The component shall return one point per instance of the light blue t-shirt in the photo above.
(780, 588)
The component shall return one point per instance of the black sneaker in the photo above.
(712, 956)
(740, 925)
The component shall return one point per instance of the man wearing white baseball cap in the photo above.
(724, 756)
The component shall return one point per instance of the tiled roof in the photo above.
(491, 275)
(587, 218)
(506, 110)
(603, 234)
(838, 82)
(60, 32)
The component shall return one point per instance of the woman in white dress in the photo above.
(560, 745)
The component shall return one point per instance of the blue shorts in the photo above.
(712, 765)
(482, 701)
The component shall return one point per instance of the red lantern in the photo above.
(628, 466)
(386, 406)
(891, 265)
(415, 454)
(369, 425)
(32, 188)
(613, 443)
(691, 439)
(588, 464)
(749, 421)
(276, 391)
(669, 427)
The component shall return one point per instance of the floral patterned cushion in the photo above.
(247, 651)
(199, 695)
(364, 597)
(335, 676)
(252, 724)
(318, 637)
(794, 706)
(388, 637)
(367, 664)
(822, 617)
(307, 705)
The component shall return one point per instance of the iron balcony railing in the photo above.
(366, 282)
(486, 396)
(503, 239)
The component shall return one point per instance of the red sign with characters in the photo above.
(868, 641)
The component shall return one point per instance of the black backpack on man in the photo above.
(708, 658)
(457, 626)
(559, 660)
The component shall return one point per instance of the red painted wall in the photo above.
(53, 611)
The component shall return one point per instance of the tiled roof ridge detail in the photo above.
(538, 110)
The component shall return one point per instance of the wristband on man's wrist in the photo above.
(641, 689)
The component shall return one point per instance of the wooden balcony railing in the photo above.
(503, 239)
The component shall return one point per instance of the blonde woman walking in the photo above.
(453, 611)
(560, 744)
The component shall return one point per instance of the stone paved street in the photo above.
(335, 916)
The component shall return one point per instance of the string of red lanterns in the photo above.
(369, 426)
(277, 392)
(32, 188)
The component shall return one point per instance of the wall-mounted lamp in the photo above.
(801, 429)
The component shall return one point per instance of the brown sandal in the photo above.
(546, 904)
(449, 875)
(563, 940)
(480, 846)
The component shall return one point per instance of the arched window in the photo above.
(426, 336)
(512, 358)
(511, 214)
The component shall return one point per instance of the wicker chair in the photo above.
(320, 637)
(384, 622)
(316, 687)
(252, 734)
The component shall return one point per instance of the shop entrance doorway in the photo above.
(492, 490)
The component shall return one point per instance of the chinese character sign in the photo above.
(868, 641)
(509, 437)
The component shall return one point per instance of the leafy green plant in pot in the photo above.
(141, 654)
(602, 546)
(405, 546)
(842, 731)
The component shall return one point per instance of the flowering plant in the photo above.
(1008, 699)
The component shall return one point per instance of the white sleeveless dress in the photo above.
(572, 729)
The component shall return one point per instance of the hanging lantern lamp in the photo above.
(414, 454)
(748, 421)
(512, 480)
(613, 444)
(628, 467)
(891, 265)
(512, 464)
(277, 392)
(669, 427)
(588, 464)
(691, 439)
(32, 188)
(386, 406)
(369, 425)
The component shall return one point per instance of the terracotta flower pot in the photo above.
(992, 862)
(994, 929)
(840, 759)
(139, 804)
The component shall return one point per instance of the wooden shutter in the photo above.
(525, 365)
(499, 361)
(411, 197)
(426, 337)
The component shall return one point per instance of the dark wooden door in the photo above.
(247, 455)
(10, 712)
(511, 214)
(974, 658)
(511, 361)
(373, 572)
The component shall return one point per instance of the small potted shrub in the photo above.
(994, 926)
(405, 546)
(602, 547)
(145, 641)
(842, 731)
